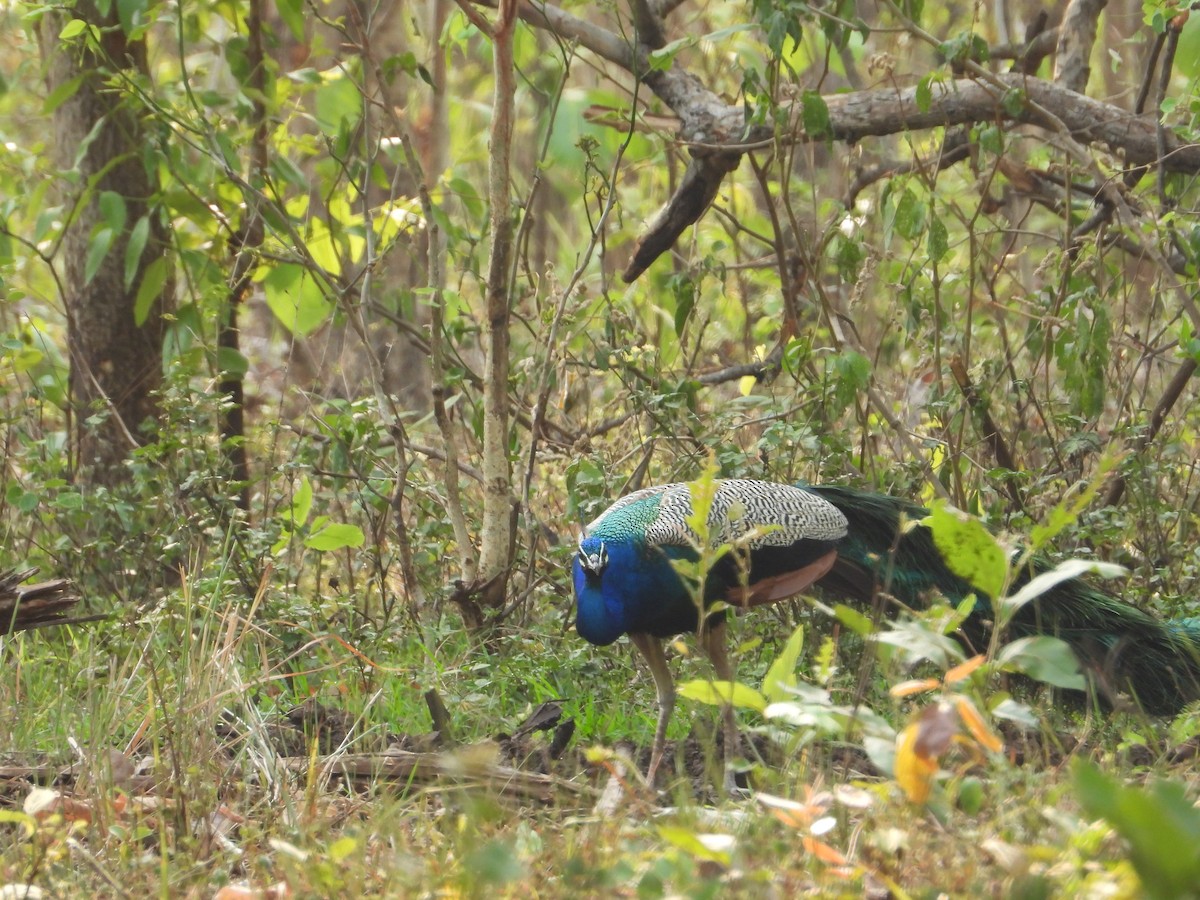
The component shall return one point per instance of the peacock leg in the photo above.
(652, 649)
(714, 645)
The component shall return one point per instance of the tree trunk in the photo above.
(116, 364)
(495, 554)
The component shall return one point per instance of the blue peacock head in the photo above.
(599, 617)
(593, 555)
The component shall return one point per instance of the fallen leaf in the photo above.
(824, 852)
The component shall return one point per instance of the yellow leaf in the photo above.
(718, 693)
(916, 686)
(963, 671)
(914, 772)
(974, 721)
(746, 384)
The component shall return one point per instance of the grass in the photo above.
(171, 722)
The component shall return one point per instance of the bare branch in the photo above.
(696, 192)
(716, 132)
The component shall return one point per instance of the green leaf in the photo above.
(854, 620)
(782, 673)
(814, 114)
(711, 848)
(1158, 822)
(133, 250)
(98, 247)
(925, 93)
(26, 821)
(285, 538)
(852, 371)
(660, 60)
(1065, 571)
(153, 281)
(112, 210)
(62, 93)
(337, 103)
(720, 693)
(342, 848)
(1043, 658)
(335, 536)
(296, 298)
(131, 14)
(1014, 103)
(69, 501)
(232, 362)
(938, 244)
(909, 220)
(970, 550)
(72, 29)
(685, 301)
(1012, 711)
(297, 514)
(292, 13)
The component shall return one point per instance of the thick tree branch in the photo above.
(716, 132)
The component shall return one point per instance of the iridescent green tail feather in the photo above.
(1122, 648)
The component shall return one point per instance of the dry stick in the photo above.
(1148, 79)
(1076, 35)
(788, 285)
(954, 149)
(1159, 414)
(761, 369)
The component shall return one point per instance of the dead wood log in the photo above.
(35, 605)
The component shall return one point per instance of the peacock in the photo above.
(849, 544)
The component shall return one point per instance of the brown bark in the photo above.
(116, 365)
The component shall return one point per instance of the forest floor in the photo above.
(152, 762)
